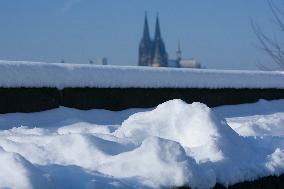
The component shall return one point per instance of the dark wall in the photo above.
(269, 182)
(28, 99)
(118, 99)
(38, 99)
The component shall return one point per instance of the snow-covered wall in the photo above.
(35, 74)
(31, 86)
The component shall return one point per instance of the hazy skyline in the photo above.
(217, 33)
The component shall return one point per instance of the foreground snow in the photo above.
(174, 144)
(34, 74)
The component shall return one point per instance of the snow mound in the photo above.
(258, 125)
(275, 163)
(24, 130)
(64, 149)
(147, 161)
(205, 137)
(263, 118)
(17, 172)
(194, 126)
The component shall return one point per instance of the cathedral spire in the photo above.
(160, 56)
(146, 34)
(178, 51)
(145, 46)
(157, 28)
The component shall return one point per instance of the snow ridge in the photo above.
(37, 74)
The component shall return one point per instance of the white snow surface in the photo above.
(59, 75)
(174, 144)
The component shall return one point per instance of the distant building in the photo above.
(99, 61)
(153, 52)
(102, 61)
(189, 63)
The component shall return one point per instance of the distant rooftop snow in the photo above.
(36, 74)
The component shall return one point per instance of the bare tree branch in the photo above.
(271, 46)
(276, 13)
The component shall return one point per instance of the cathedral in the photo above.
(152, 52)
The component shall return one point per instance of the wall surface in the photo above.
(269, 182)
(39, 99)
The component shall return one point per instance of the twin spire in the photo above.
(152, 52)
(146, 33)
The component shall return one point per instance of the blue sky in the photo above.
(217, 33)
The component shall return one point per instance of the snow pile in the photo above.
(16, 172)
(205, 137)
(258, 125)
(175, 144)
(159, 162)
(194, 126)
(36, 74)
(260, 119)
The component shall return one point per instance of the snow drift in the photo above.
(175, 144)
(206, 138)
(193, 126)
(34, 74)
(17, 172)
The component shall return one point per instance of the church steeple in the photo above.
(146, 33)
(178, 51)
(157, 28)
(145, 46)
(160, 56)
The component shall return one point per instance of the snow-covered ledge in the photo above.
(15, 74)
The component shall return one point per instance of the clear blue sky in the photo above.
(216, 32)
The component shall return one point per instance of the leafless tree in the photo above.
(270, 45)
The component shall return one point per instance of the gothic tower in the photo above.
(152, 52)
(160, 56)
(179, 55)
(145, 46)
(178, 51)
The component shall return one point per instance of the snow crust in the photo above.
(39, 74)
(174, 144)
